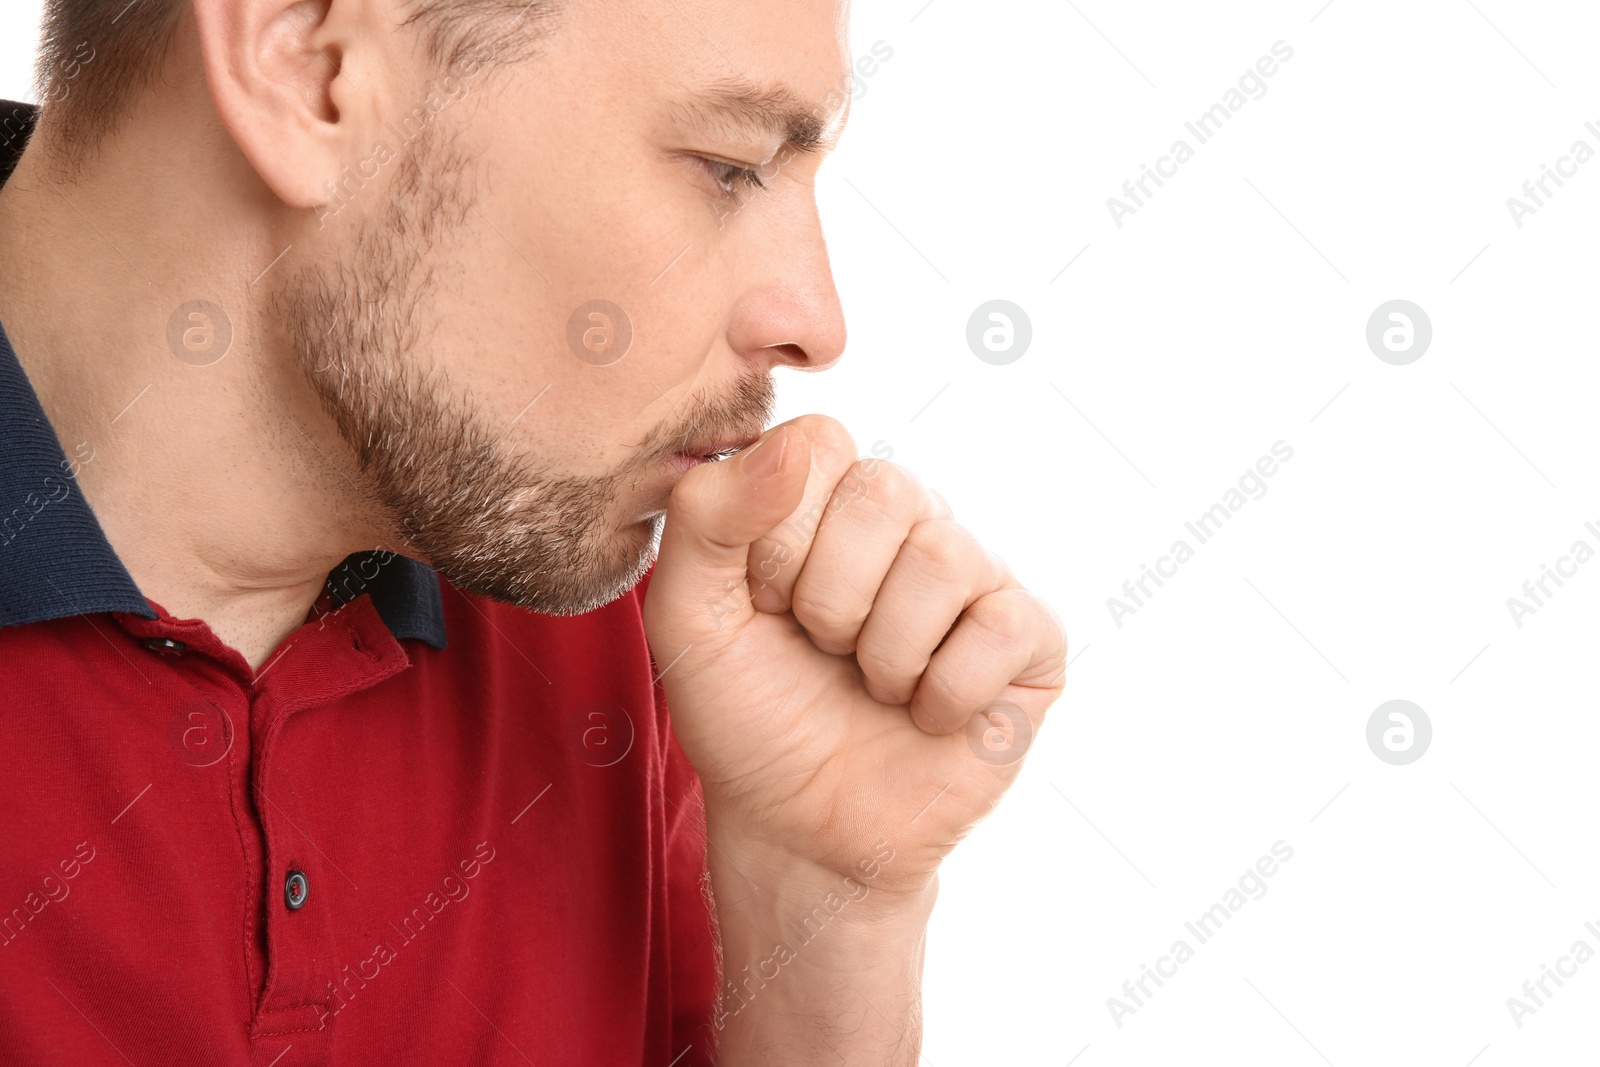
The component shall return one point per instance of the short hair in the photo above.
(96, 56)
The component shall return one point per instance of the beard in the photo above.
(500, 525)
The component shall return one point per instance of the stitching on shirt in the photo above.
(244, 855)
(321, 1004)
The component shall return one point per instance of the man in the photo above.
(360, 357)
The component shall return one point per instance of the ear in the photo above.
(300, 86)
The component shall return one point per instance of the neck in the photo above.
(222, 486)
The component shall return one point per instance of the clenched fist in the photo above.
(844, 664)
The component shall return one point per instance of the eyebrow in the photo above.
(741, 106)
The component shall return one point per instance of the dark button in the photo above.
(295, 888)
(166, 646)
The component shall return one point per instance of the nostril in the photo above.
(793, 354)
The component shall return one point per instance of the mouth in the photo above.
(674, 465)
(698, 452)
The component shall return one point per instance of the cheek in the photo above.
(601, 218)
(581, 320)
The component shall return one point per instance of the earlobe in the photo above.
(275, 72)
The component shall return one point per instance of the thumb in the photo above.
(698, 590)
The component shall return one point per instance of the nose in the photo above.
(787, 312)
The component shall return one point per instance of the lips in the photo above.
(712, 450)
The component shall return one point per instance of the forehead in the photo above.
(748, 59)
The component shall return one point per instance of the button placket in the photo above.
(339, 654)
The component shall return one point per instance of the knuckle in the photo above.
(882, 491)
(1035, 612)
(939, 545)
(1052, 621)
(890, 487)
(1004, 619)
(893, 666)
(826, 435)
(829, 617)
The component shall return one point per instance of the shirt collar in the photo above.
(55, 560)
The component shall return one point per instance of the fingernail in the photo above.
(764, 459)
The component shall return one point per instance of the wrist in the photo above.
(812, 951)
(836, 950)
(846, 917)
(874, 883)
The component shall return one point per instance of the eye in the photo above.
(731, 178)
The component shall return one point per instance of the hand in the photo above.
(827, 636)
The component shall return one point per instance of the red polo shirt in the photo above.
(378, 849)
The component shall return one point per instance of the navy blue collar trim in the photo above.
(55, 560)
(405, 592)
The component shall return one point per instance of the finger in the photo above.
(1007, 638)
(698, 588)
(776, 558)
(873, 510)
(939, 572)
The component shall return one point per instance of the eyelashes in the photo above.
(731, 179)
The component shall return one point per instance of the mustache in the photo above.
(743, 412)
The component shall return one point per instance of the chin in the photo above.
(631, 553)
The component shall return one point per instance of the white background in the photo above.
(1228, 314)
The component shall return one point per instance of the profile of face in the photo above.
(444, 298)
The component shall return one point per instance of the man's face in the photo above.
(451, 328)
